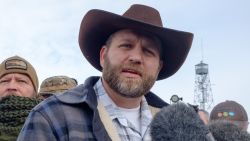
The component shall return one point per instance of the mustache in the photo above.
(133, 67)
(10, 93)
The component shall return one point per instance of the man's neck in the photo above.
(120, 100)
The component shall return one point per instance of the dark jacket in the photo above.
(72, 116)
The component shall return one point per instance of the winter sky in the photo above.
(45, 32)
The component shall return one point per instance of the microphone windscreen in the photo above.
(223, 130)
(178, 122)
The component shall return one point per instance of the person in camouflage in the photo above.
(18, 95)
(55, 85)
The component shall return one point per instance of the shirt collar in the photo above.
(113, 110)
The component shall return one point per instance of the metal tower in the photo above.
(203, 92)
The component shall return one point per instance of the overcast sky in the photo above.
(45, 33)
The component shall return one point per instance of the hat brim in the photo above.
(98, 25)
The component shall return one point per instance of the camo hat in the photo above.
(17, 64)
(57, 84)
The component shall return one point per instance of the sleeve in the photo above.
(37, 128)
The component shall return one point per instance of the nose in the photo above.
(12, 89)
(12, 86)
(136, 55)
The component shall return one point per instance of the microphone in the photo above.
(223, 130)
(179, 122)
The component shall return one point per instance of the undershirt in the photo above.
(133, 116)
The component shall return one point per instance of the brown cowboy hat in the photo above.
(98, 25)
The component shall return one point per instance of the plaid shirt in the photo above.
(71, 116)
(126, 130)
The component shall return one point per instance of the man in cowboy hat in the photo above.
(18, 77)
(132, 51)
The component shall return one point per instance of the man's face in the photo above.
(16, 84)
(131, 63)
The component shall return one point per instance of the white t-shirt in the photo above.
(133, 116)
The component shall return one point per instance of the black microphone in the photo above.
(223, 130)
(179, 122)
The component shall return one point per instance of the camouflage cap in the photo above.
(17, 64)
(229, 110)
(57, 84)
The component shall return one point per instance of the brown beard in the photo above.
(128, 87)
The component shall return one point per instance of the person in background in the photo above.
(224, 130)
(230, 111)
(132, 51)
(55, 85)
(204, 115)
(18, 77)
(18, 95)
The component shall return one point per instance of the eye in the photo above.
(3, 81)
(22, 81)
(149, 52)
(126, 45)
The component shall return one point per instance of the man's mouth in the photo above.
(132, 73)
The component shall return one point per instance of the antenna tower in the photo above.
(203, 92)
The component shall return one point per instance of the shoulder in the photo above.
(56, 113)
(51, 119)
(47, 106)
(155, 101)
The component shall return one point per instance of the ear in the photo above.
(160, 65)
(103, 53)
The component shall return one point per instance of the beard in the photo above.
(127, 87)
